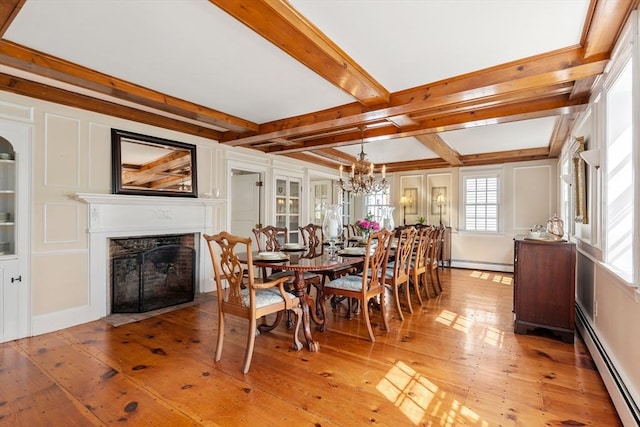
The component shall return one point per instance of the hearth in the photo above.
(152, 272)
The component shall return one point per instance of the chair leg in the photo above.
(432, 275)
(397, 298)
(417, 285)
(365, 311)
(438, 277)
(323, 312)
(264, 327)
(407, 291)
(251, 340)
(349, 312)
(220, 336)
(383, 312)
(297, 345)
(425, 284)
(289, 321)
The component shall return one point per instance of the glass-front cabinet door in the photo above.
(321, 196)
(288, 192)
(7, 199)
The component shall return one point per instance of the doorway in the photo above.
(246, 201)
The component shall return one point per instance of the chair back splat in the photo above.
(240, 294)
(273, 237)
(433, 259)
(418, 270)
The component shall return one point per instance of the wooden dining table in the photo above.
(300, 262)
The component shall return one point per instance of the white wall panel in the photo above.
(62, 151)
(61, 223)
(532, 196)
(99, 156)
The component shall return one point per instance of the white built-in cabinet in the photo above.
(15, 295)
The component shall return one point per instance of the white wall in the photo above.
(528, 197)
(71, 155)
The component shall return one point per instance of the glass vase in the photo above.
(332, 225)
(387, 218)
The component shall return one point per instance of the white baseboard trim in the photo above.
(489, 266)
(623, 400)
(50, 322)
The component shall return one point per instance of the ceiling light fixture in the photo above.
(362, 180)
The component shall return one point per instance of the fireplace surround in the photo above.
(114, 216)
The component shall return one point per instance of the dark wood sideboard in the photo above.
(544, 287)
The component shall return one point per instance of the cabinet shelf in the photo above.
(7, 192)
(7, 223)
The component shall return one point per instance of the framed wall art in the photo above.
(412, 200)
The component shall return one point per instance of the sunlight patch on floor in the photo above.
(417, 398)
(493, 336)
(489, 335)
(497, 278)
(454, 320)
(503, 279)
(480, 275)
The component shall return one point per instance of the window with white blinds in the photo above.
(481, 203)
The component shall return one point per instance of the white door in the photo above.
(245, 203)
(15, 189)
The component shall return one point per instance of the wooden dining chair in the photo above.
(274, 238)
(270, 239)
(433, 258)
(418, 268)
(367, 286)
(313, 238)
(397, 272)
(354, 235)
(246, 297)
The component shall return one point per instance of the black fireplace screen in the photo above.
(148, 273)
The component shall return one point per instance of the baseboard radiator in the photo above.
(622, 399)
(482, 265)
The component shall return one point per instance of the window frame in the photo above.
(626, 50)
(482, 172)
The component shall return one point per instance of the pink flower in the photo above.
(368, 224)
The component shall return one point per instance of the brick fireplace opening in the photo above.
(152, 272)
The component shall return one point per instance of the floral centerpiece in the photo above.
(367, 224)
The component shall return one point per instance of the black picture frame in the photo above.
(150, 166)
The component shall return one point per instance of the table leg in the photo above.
(305, 302)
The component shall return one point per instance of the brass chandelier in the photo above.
(361, 179)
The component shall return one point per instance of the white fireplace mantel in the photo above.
(115, 215)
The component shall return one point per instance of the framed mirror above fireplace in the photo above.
(147, 165)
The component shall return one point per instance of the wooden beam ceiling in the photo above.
(557, 83)
(283, 26)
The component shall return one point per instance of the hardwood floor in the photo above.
(455, 361)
